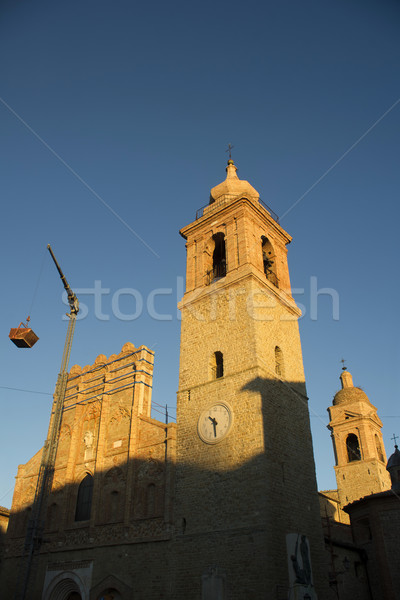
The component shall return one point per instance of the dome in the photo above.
(232, 186)
(392, 466)
(394, 460)
(350, 394)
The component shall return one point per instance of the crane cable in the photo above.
(37, 283)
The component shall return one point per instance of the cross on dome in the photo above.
(230, 146)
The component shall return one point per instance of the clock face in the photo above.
(215, 422)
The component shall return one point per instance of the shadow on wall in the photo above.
(127, 530)
(2, 543)
(92, 520)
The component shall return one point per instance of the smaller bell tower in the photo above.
(357, 443)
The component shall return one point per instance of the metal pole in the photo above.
(34, 534)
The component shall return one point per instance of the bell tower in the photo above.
(246, 487)
(357, 442)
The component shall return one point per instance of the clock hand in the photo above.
(215, 423)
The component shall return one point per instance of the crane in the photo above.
(34, 534)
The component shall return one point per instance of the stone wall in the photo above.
(106, 432)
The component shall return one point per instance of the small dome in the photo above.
(392, 466)
(232, 186)
(350, 394)
(394, 460)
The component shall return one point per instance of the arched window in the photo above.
(353, 447)
(84, 499)
(279, 367)
(268, 260)
(53, 516)
(379, 448)
(150, 500)
(115, 515)
(219, 257)
(217, 365)
(24, 520)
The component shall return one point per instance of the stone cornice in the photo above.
(231, 207)
(200, 293)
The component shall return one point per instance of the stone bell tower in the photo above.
(247, 516)
(357, 442)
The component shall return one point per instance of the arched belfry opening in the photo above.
(353, 447)
(217, 365)
(218, 258)
(269, 262)
(379, 448)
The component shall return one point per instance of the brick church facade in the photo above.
(111, 488)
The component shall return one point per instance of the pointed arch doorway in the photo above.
(67, 586)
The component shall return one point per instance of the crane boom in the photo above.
(72, 299)
(34, 534)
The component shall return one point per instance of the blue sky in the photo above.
(133, 105)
